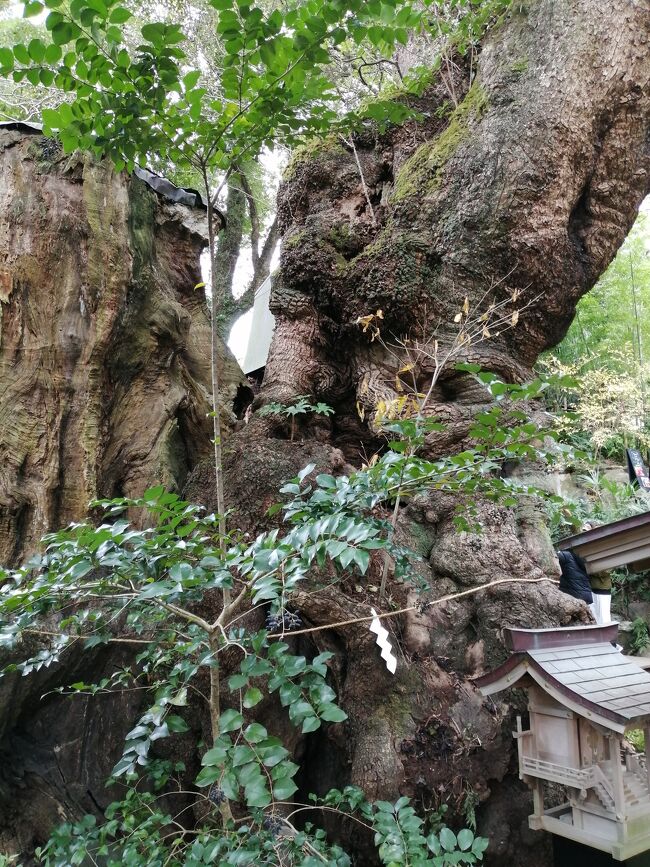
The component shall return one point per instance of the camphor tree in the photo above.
(526, 180)
(129, 107)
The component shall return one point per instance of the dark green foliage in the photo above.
(115, 583)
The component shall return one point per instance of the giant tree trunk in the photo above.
(530, 182)
(104, 341)
(528, 185)
(104, 391)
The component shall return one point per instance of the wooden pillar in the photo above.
(538, 798)
(646, 737)
(535, 821)
(617, 776)
(520, 746)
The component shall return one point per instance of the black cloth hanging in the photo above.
(574, 579)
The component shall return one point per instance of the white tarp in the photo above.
(261, 333)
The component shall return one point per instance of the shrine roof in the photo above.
(621, 543)
(581, 669)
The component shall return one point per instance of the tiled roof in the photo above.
(600, 675)
(588, 676)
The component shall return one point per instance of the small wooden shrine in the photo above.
(583, 696)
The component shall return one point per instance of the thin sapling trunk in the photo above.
(216, 421)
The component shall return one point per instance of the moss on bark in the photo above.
(422, 173)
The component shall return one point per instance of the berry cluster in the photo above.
(283, 621)
(216, 794)
(272, 824)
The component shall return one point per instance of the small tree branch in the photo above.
(350, 143)
(254, 217)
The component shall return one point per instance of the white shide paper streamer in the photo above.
(383, 642)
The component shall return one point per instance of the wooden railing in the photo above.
(578, 778)
(603, 787)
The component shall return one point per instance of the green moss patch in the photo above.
(313, 150)
(422, 173)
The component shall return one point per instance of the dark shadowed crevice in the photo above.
(244, 397)
(578, 218)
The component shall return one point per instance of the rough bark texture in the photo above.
(104, 391)
(104, 342)
(530, 182)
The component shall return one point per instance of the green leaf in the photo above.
(32, 8)
(119, 15)
(310, 724)
(230, 786)
(189, 82)
(154, 33)
(254, 733)
(53, 54)
(215, 756)
(284, 789)
(479, 846)
(242, 755)
(447, 839)
(465, 839)
(362, 559)
(21, 54)
(252, 697)
(156, 590)
(331, 712)
(176, 723)
(6, 60)
(62, 33)
(36, 50)
(51, 120)
(257, 793)
(151, 495)
(273, 754)
(306, 471)
(230, 720)
(208, 776)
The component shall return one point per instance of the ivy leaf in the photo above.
(257, 793)
(208, 776)
(254, 733)
(283, 789)
(310, 724)
(252, 697)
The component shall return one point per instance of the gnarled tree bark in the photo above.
(530, 183)
(104, 342)
(525, 188)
